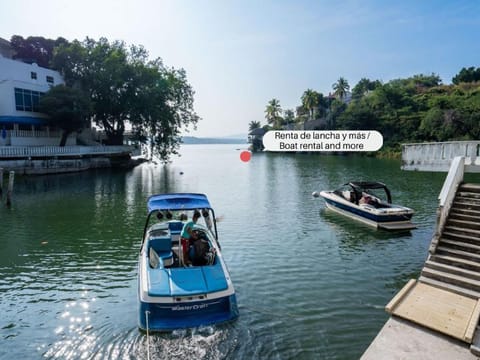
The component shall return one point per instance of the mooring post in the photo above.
(10, 187)
(1, 182)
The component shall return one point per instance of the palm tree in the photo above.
(289, 117)
(310, 101)
(253, 125)
(341, 87)
(272, 112)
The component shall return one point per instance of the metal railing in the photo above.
(41, 151)
(446, 197)
(35, 133)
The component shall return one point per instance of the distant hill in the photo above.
(199, 140)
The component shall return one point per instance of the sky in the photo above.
(238, 55)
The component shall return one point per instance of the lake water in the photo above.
(310, 284)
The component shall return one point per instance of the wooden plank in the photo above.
(397, 298)
(473, 323)
(397, 226)
(437, 309)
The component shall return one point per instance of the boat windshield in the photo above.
(354, 191)
(159, 219)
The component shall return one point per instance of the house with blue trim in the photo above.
(28, 145)
(21, 86)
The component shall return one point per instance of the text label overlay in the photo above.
(309, 140)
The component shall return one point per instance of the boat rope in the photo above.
(148, 335)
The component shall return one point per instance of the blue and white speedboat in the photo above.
(358, 201)
(171, 294)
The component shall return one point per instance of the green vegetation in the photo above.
(272, 114)
(415, 109)
(341, 87)
(121, 86)
(253, 125)
(68, 109)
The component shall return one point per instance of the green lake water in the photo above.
(310, 284)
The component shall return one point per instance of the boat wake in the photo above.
(209, 343)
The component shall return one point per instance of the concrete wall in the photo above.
(438, 156)
(54, 166)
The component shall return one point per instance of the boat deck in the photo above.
(186, 281)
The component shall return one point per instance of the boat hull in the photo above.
(180, 315)
(393, 219)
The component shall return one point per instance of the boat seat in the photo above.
(175, 227)
(163, 247)
(153, 259)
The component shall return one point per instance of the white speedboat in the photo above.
(358, 201)
(171, 294)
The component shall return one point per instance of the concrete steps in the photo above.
(466, 281)
(455, 265)
(453, 288)
(456, 261)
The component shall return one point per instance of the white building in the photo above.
(21, 86)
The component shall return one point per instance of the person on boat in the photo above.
(366, 199)
(188, 236)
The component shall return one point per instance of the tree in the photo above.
(471, 74)
(310, 100)
(358, 116)
(67, 108)
(125, 87)
(103, 71)
(337, 107)
(437, 125)
(363, 87)
(289, 116)
(341, 87)
(71, 60)
(272, 113)
(253, 125)
(425, 81)
(35, 49)
(163, 106)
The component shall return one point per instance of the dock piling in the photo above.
(11, 178)
(1, 182)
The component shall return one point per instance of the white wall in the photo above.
(18, 74)
(438, 156)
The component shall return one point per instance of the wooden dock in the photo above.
(436, 317)
(441, 310)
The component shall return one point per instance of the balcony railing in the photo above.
(35, 133)
(41, 151)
